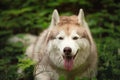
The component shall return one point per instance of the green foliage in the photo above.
(33, 16)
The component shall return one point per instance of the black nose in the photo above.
(67, 50)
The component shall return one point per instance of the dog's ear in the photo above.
(81, 18)
(82, 22)
(55, 18)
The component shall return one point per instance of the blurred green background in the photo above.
(33, 16)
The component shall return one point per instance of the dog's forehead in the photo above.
(70, 33)
(68, 20)
(63, 33)
(68, 25)
(67, 29)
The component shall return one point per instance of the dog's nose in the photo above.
(67, 50)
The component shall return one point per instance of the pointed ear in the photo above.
(81, 18)
(55, 18)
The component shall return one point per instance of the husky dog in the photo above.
(66, 47)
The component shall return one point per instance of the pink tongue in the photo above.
(68, 64)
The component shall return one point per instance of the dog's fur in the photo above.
(48, 51)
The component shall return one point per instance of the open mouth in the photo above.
(68, 61)
(68, 57)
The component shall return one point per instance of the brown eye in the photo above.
(75, 38)
(60, 38)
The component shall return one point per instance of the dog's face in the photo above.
(68, 44)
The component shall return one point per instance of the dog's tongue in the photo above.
(68, 64)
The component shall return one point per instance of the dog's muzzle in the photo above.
(68, 58)
(67, 53)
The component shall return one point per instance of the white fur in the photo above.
(56, 47)
(49, 53)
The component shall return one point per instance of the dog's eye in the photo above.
(60, 38)
(75, 38)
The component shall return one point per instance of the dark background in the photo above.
(18, 17)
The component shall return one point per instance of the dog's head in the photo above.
(69, 41)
